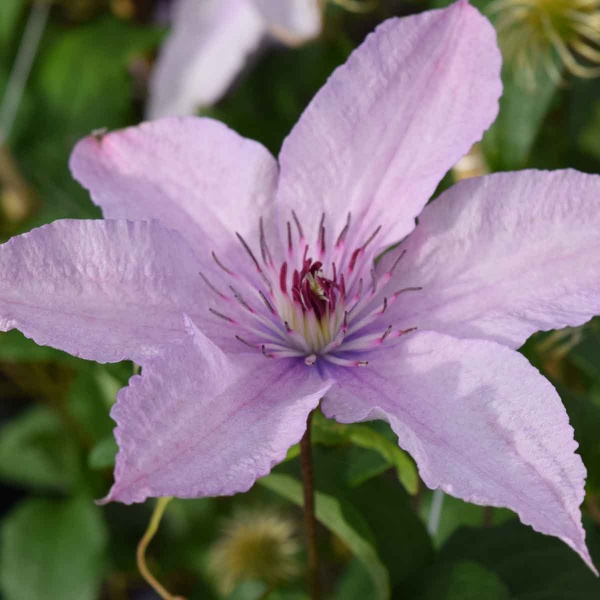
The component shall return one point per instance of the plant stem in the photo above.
(159, 510)
(309, 512)
(34, 29)
(435, 512)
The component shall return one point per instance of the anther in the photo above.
(264, 248)
(256, 263)
(289, 236)
(263, 349)
(385, 305)
(241, 339)
(361, 363)
(321, 233)
(407, 289)
(211, 286)
(299, 227)
(221, 315)
(371, 238)
(267, 303)
(396, 262)
(385, 335)
(239, 298)
(221, 264)
(344, 232)
(373, 281)
(283, 278)
(309, 361)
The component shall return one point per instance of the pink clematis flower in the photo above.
(211, 43)
(248, 289)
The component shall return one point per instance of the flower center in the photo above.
(310, 307)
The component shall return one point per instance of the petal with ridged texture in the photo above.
(384, 129)
(102, 290)
(209, 45)
(481, 423)
(197, 423)
(503, 256)
(194, 175)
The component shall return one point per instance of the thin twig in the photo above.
(150, 532)
(34, 29)
(309, 512)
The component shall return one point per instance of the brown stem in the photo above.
(309, 512)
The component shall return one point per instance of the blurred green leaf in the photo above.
(456, 513)
(52, 550)
(508, 142)
(328, 432)
(533, 566)
(463, 580)
(103, 454)
(91, 396)
(584, 414)
(15, 347)
(10, 13)
(36, 450)
(340, 518)
(81, 82)
(355, 584)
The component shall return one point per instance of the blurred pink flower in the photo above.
(211, 43)
(248, 289)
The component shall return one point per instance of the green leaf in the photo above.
(52, 550)
(15, 347)
(584, 415)
(533, 566)
(330, 433)
(463, 580)
(91, 396)
(340, 518)
(36, 450)
(10, 13)
(103, 454)
(81, 82)
(508, 142)
(355, 584)
(456, 513)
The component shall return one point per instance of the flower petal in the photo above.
(102, 290)
(194, 175)
(381, 133)
(481, 423)
(209, 45)
(197, 423)
(503, 256)
(292, 21)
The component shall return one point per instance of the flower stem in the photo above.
(309, 512)
(435, 512)
(157, 515)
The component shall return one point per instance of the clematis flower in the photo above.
(211, 42)
(249, 289)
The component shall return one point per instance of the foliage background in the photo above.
(56, 447)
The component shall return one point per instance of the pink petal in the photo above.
(292, 21)
(481, 423)
(197, 423)
(209, 45)
(503, 256)
(381, 133)
(102, 290)
(194, 175)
